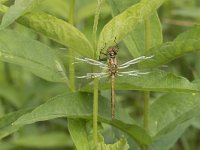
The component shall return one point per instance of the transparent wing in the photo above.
(84, 67)
(129, 66)
(132, 73)
(91, 62)
(134, 61)
(94, 75)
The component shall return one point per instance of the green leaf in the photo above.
(186, 42)
(119, 145)
(79, 105)
(59, 31)
(81, 132)
(57, 8)
(6, 127)
(18, 9)
(132, 130)
(164, 81)
(125, 22)
(10, 94)
(170, 138)
(32, 55)
(87, 10)
(119, 6)
(47, 140)
(135, 40)
(171, 110)
(78, 134)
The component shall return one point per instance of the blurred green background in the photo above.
(21, 89)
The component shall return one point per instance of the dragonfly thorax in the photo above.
(112, 66)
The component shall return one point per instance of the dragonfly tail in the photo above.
(112, 97)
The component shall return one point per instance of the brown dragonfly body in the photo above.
(112, 70)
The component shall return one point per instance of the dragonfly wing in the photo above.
(91, 62)
(132, 73)
(94, 75)
(134, 61)
(80, 60)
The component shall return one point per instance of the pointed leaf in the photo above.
(125, 22)
(170, 138)
(42, 141)
(82, 136)
(18, 9)
(135, 40)
(164, 81)
(186, 42)
(6, 127)
(78, 134)
(79, 105)
(60, 31)
(57, 30)
(171, 110)
(119, 145)
(30, 54)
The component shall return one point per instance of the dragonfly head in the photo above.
(112, 51)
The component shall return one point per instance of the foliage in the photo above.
(41, 106)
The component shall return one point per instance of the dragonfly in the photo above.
(112, 70)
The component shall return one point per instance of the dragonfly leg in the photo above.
(116, 45)
(105, 54)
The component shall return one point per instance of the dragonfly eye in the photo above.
(115, 50)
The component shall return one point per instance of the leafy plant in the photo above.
(32, 40)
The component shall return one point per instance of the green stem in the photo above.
(71, 53)
(71, 12)
(148, 38)
(96, 80)
(96, 19)
(95, 110)
(71, 71)
(146, 110)
(148, 42)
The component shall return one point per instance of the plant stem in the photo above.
(146, 110)
(71, 12)
(95, 110)
(96, 80)
(71, 53)
(148, 38)
(96, 19)
(148, 42)
(71, 71)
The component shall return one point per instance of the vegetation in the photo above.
(44, 106)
